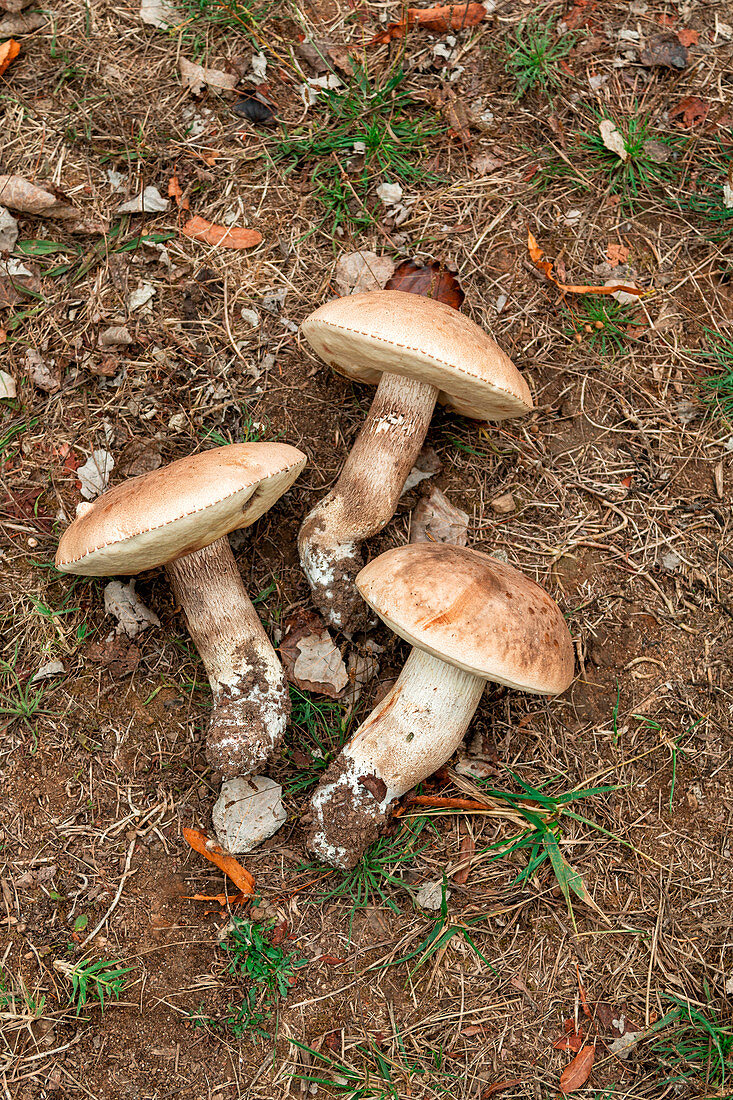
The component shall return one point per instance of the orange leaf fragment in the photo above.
(545, 266)
(572, 1040)
(500, 1086)
(200, 843)
(577, 1073)
(441, 18)
(688, 37)
(616, 253)
(8, 53)
(228, 236)
(175, 192)
(581, 991)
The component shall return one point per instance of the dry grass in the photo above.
(621, 481)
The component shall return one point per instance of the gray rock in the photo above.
(247, 811)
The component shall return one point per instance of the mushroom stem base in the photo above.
(415, 729)
(365, 496)
(251, 702)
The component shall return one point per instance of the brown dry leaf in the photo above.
(10, 25)
(664, 51)
(196, 78)
(439, 19)
(435, 519)
(572, 1040)
(688, 36)
(432, 280)
(459, 119)
(536, 255)
(232, 236)
(175, 192)
(20, 194)
(612, 138)
(616, 253)
(500, 1086)
(692, 109)
(117, 654)
(312, 660)
(466, 851)
(575, 1075)
(8, 52)
(14, 5)
(200, 843)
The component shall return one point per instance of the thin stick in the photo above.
(117, 896)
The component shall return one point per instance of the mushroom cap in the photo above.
(472, 611)
(362, 335)
(160, 516)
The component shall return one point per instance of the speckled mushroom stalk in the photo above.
(251, 701)
(471, 619)
(180, 516)
(365, 496)
(419, 351)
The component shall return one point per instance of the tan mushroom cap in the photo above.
(362, 335)
(474, 612)
(158, 517)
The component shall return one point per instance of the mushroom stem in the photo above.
(416, 728)
(251, 702)
(365, 496)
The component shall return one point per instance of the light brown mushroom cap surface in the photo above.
(185, 506)
(474, 612)
(363, 335)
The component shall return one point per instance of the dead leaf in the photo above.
(616, 253)
(256, 110)
(117, 655)
(232, 236)
(312, 660)
(536, 255)
(8, 52)
(10, 25)
(375, 785)
(196, 78)
(175, 192)
(613, 139)
(200, 843)
(572, 1040)
(688, 36)
(483, 163)
(20, 194)
(360, 271)
(459, 119)
(664, 51)
(432, 280)
(39, 373)
(692, 109)
(500, 1086)
(435, 519)
(439, 19)
(577, 1073)
(465, 855)
(14, 5)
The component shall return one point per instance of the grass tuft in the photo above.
(534, 55)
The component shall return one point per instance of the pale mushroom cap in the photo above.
(362, 335)
(158, 517)
(474, 612)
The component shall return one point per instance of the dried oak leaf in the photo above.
(616, 253)
(575, 1075)
(692, 109)
(439, 19)
(572, 1040)
(196, 78)
(432, 280)
(688, 37)
(227, 236)
(312, 660)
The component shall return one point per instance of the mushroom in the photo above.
(419, 351)
(470, 618)
(179, 516)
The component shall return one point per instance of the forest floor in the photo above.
(602, 128)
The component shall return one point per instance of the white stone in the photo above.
(247, 811)
(53, 668)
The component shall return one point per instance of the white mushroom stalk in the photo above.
(470, 618)
(417, 727)
(365, 497)
(179, 516)
(418, 351)
(251, 701)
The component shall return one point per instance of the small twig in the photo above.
(116, 898)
